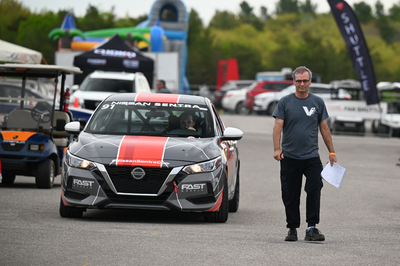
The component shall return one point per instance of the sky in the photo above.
(205, 8)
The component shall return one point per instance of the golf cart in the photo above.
(32, 137)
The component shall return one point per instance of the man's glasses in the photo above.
(299, 81)
(186, 121)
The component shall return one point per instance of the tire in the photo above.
(8, 179)
(382, 129)
(45, 174)
(271, 108)
(220, 216)
(70, 212)
(242, 109)
(234, 202)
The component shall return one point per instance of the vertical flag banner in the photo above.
(352, 34)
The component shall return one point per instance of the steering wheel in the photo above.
(41, 112)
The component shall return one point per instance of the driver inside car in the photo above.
(187, 121)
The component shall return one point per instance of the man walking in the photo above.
(297, 119)
(161, 87)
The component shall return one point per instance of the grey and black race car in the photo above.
(152, 151)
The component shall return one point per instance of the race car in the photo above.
(152, 151)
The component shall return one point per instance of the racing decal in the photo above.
(161, 98)
(141, 151)
(16, 135)
(217, 205)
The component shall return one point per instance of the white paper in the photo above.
(333, 174)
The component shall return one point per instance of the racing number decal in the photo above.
(141, 151)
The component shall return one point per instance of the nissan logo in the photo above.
(138, 173)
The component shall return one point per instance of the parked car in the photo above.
(41, 86)
(32, 137)
(229, 86)
(100, 84)
(345, 122)
(266, 102)
(133, 154)
(233, 100)
(265, 86)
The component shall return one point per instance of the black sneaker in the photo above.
(292, 235)
(314, 235)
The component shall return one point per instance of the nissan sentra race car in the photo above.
(152, 151)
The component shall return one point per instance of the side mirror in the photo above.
(73, 127)
(232, 133)
(74, 88)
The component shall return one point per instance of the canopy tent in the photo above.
(114, 55)
(13, 53)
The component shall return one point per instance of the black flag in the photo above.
(354, 38)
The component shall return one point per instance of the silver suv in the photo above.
(100, 84)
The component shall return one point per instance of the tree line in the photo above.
(291, 35)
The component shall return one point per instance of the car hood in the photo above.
(146, 151)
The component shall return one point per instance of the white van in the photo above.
(100, 84)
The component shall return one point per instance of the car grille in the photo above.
(15, 147)
(125, 183)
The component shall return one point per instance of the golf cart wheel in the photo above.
(45, 174)
(8, 179)
(70, 212)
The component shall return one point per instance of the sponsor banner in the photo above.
(96, 61)
(358, 49)
(360, 109)
(141, 151)
(130, 63)
(115, 53)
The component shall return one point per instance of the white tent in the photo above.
(10, 52)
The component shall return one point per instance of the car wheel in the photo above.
(70, 212)
(382, 129)
(271, 108)
(234, 202)
(8, 179)
(220, 216)
(242, 109)
(45, 174)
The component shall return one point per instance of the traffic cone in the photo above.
(76, 103)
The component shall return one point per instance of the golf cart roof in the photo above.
(37, 70)
(346, 84)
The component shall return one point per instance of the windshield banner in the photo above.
(354, 38)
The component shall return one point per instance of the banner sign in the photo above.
(355, 42)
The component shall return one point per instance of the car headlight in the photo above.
(76, 162)
(203, 167)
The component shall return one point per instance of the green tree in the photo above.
(264, 13)
(95, 20)
(12, 13)
(394, 12)
(363, 12)
(287, 6)
(32, 33)
(130, 22)
(308, 7)
(202, 60)
(224, 20)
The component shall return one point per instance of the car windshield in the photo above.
(152, 119)
(108, 85)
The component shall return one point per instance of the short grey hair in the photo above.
(301, 69)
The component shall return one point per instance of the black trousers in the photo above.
(292, 171)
